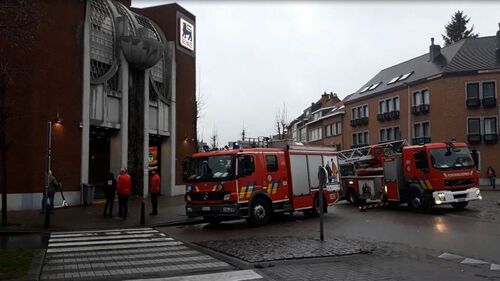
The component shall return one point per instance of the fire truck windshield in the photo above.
(213, 168)
(451, 158)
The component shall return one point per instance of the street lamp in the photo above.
(59, 121)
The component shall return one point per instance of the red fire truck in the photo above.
(420, 175)
(256, 183)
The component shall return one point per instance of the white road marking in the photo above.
(99, 231)
(112, 247)
(448, 256)
(495, 267)
(238, 275)
(122, 241)
(473, 261)
(109, 237)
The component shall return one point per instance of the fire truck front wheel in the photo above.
(260, 212)
(415, 200)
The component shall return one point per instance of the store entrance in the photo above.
(99, 158)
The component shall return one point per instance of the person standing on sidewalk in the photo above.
(109, 193)
(123, 187)
(492, 175)
(53, 187)
(154, 190)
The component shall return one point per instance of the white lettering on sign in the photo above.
(454, 175)
(186, 34)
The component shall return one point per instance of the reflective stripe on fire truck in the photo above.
(424, 184)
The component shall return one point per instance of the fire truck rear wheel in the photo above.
(460, 205)
(260, 213)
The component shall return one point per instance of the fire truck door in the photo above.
(274, 176)
(393, 178)
(249, 180)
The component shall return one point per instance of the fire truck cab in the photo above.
(420, 175)
(256, 183)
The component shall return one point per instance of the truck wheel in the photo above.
(416, 201)
(460, 205)
(260, 213)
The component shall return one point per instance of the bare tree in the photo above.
(200, 106)
(18, 21)
(280, 121)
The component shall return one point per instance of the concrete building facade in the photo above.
(121, 79)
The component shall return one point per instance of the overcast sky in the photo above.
(253, 57)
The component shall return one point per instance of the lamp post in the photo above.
(49, 157)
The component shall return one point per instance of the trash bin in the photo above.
(88, 193)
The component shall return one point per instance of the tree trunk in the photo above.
(3, 149)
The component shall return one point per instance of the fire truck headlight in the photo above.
(478, 194)
(220, 187)
(189, 210)
(189, 188)
(441, 196)
(385, 189)
(188, 198)
(227, 197)
(351, 182)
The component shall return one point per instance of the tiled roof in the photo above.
(467, 55)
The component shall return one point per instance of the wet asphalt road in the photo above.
(473, 232)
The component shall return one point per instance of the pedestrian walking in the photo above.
(53, 186)
(490, 172)
(154, 191)
(109, 194)
(123, 187)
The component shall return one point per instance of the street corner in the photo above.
(272, 249)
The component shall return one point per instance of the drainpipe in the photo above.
(409, 112)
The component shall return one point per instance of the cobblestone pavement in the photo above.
(285, 248)
(122, 254)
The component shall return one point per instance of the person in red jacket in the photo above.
(154, 190)
(123, 188)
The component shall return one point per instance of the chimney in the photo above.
(434, 51)
(498, 40)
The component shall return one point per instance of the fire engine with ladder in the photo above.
(256, 183)
(419, 175)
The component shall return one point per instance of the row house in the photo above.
(449, 93)
(321, 123)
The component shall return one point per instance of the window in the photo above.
(405, 76)
(360, 112)
(422, 130)
(315, 134)
(393, 80)
(272, 163)
(360, 139)
(372, 87)
(474, 126)
(473, 90)
(490, 125)
(388, 105)
(333, 129)
(246, 165)
(488, 90)
(389, 134)
(364, 89)
(421, 97)
(303, 135)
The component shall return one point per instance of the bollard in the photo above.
(143, 215)
(47, 213)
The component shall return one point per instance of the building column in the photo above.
(123, 134)
(170, 143)
(145, 148)
(85, 123)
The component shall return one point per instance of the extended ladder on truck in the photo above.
(354, 155)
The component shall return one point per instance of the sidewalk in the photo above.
(170, 211)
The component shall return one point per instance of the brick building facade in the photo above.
(122, 80)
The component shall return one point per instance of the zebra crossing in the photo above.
(469, 261)
(128, 253)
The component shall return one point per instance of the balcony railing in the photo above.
(473, 102)
(388, 115)
(474, 138)
(421, 140)
(420, 109)
(489, 102)
(359, 121)
(490, 138)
